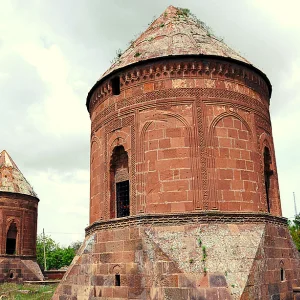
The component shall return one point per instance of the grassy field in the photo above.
(12, 291)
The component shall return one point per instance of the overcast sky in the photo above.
(53, 51)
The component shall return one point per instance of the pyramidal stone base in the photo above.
(19, 269)
(191, 256)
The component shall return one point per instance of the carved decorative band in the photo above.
(111, 113)
(183, 68)
(186, 218)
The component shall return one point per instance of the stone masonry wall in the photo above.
(22, 210)
(195, 261)
(194, 131)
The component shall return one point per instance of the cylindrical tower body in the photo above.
(197, 134)
(18, 224)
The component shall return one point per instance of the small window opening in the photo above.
(117, 280)
(122, 190)
(282, 274)
(115, 84)
(11, 239)
(268, 173)
(11, 275)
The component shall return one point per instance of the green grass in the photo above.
(12, 291)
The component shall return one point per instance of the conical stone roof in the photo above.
(176, 32)
(11, 178)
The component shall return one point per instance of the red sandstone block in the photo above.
(151, 166)
(155, 134)
(178, 142)
(183, 152)
(228, 122)
(176, 185)
(221, 163)
(185, 173)
(245, 175)
(132, 245)
(107, 292)
(151, 155)
(221, 132)
(234, 206)
(166, 175)
(178, 207)
(127, 256)
(237, 124)
(134, 233)
(248, 206)
(224, 142)
(179, 163)
(240, 164)
(228, 195)
(245, 154)
(121, 234)
(164, 143)
(152, 178)
(174, 196)
(176, 174)
(161, 208)
(223, 206)
(224, 152)
(148, 87)
(153, 144)
(174, 132)
(189, 206)
(120, 292)
(235, 153)
(237, 185)
(225, 184)
(102, 268)
(243, 135)
(226, 174)
(249, 165)
(240, 144)
(167, 153)
(232, 133)
(114, 246)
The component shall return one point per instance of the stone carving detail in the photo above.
(190, 68)
(205, 93)
(203, 154)
(176, 219)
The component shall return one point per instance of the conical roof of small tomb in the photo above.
(11, 178)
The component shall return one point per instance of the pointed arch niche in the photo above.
(119, 183)
(269, 180)
(231, 170)
(166, 166)
(11, 239)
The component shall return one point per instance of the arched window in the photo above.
(119, 183)
(11, 239)
(268, 173)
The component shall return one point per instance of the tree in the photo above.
(56, 256)
(294, 227)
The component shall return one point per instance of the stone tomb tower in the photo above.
(18, 224)
(184, 197)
